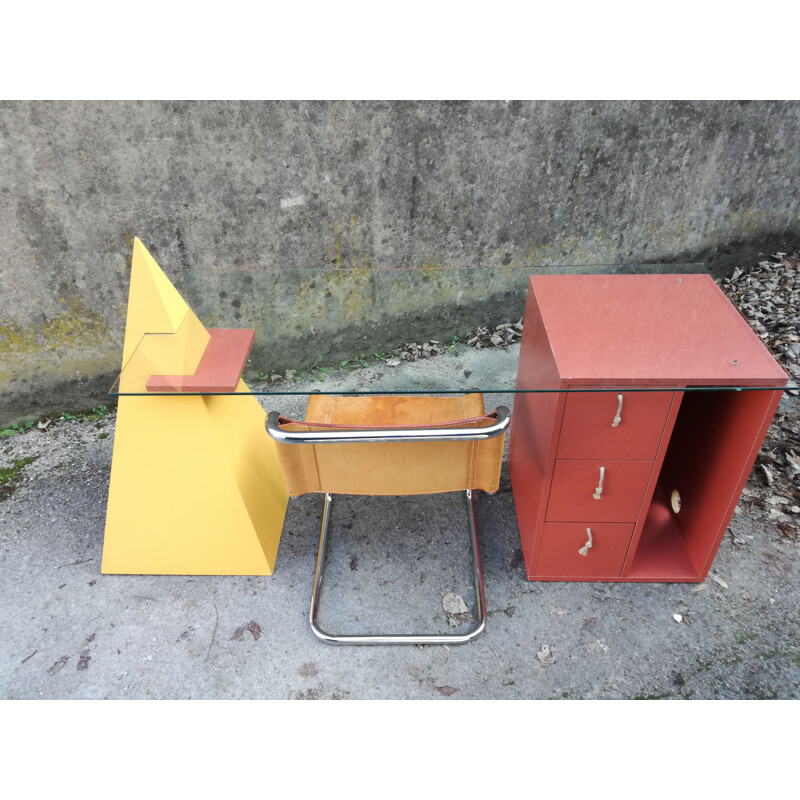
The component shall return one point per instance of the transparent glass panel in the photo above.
(430, 330)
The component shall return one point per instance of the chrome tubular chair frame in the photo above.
(363, 435)
(394, 435)
(401, 638)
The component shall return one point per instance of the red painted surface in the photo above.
(661, 552)
(634, 331)
(561, 542)
(220, 367)
(534, 425)
(587, 431)
(573, 487)
(650, 328)
(707, 460)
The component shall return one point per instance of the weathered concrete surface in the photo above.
(344, 185)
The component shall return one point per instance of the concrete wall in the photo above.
(352, 185)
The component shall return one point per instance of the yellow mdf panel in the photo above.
(154, 304)
(194, 491)
(176, 353)
(196, 488)
(253, 461)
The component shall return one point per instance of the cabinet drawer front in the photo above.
(575, 483)
(562, 542)
(588, 429)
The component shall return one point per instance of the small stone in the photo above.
(546, 654)
(454, 604)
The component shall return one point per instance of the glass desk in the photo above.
(638, 404)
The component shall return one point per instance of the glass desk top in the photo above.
(441, 330)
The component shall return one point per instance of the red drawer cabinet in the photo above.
(574, 495)
(594, 469)
(560, 555)
(588, 429)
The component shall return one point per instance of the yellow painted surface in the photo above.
(196, 487)
(154, 305)
(165, 354)
(253, 462)
(195, 490)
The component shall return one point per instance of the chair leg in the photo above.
(411, 638)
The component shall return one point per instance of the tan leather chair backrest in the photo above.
(391, 468)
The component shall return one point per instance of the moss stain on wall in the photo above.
(61, 344)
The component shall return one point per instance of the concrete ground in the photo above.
(70, 632)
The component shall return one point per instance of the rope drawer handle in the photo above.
(584, 551)
(599, 490)
(618, 418)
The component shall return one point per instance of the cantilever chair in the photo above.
(391, 445)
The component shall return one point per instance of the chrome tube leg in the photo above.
(477, 571)
(320, 568)
(411, 638)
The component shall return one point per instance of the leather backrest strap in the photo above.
(391, 468)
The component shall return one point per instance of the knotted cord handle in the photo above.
(618, 418)
(599, 490)
(585, 549)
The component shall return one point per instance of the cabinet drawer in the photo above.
(576, 482)
(587, 432)
(559, 556)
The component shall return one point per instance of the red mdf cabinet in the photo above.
(634, 474)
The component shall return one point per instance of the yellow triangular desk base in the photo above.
(196, 487)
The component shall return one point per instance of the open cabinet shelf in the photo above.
(707, 460)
